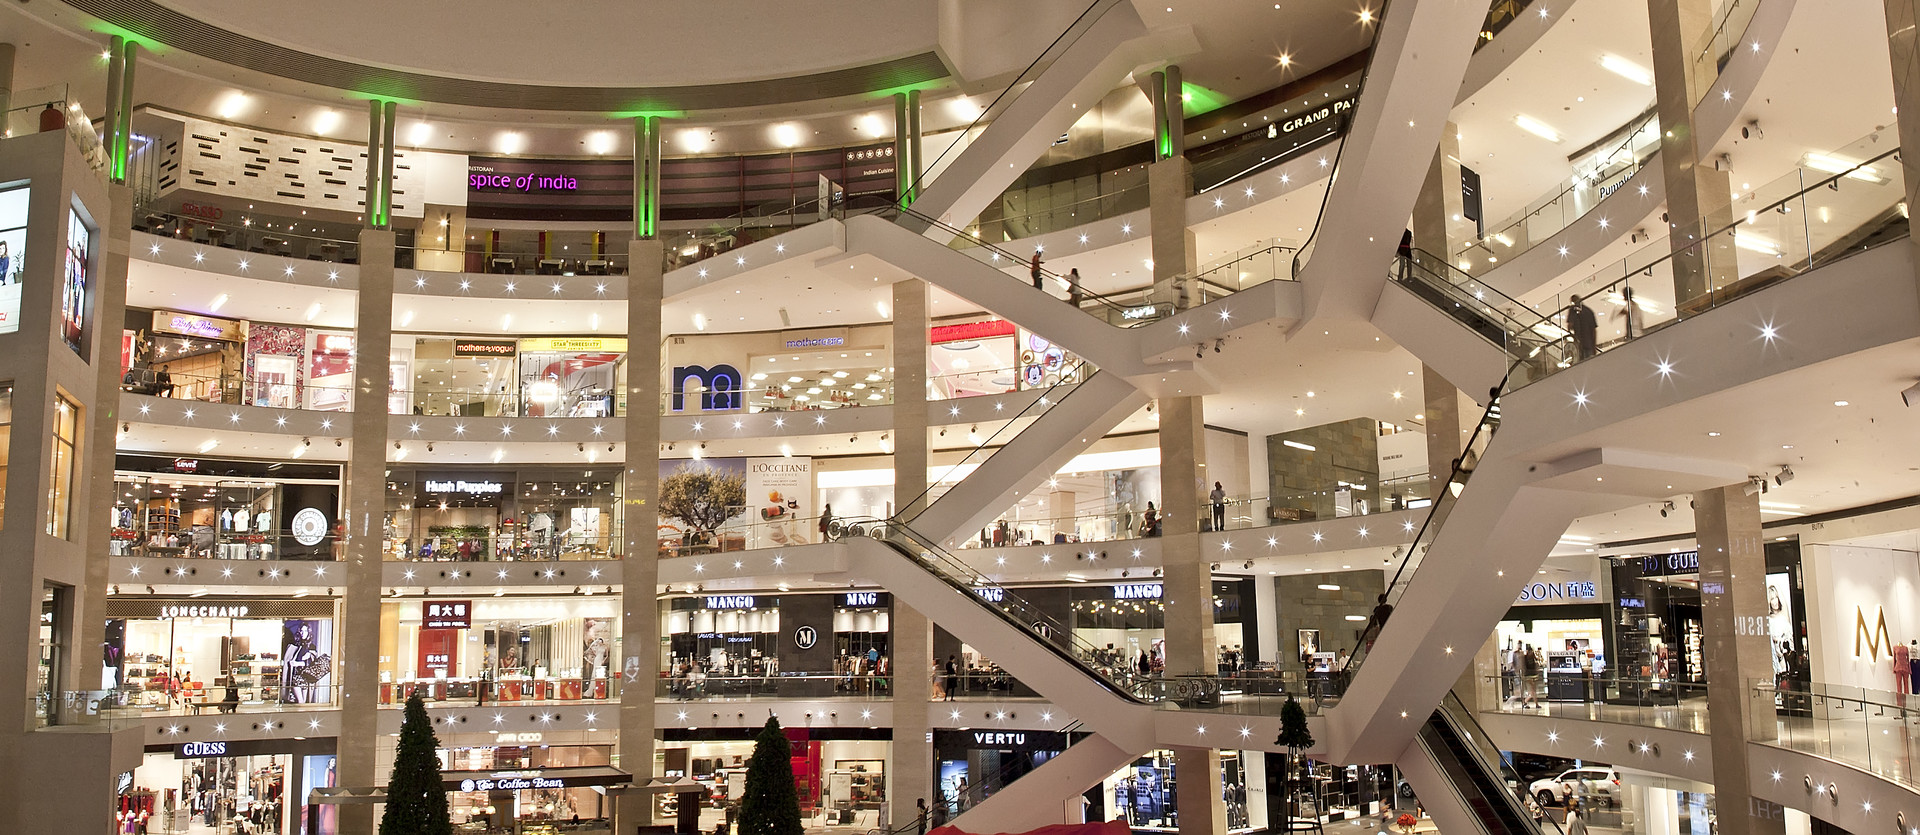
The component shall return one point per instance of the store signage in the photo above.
(524, 737)
(188, 324)
(309, 526)
(202, 611)
(186, 465)
(992, 594)
(197, 750)
(805, 637)
(471, 488)
(1142, 312)
(437, 659)
(718, 387)
(1875, 638)
(1684, 562)
(1633, 603)
(583, 344)
(969, 331)
(481, 177)
(514, 783)
(817, 342)
(730, 601)
(1566, 590)
(202, 211)
(448, 614)
(859, 599)
(1138, 591)
(484, 347)
(999, 738)
(1324, 112)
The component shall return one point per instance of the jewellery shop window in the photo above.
(234, 510)
(541, 514)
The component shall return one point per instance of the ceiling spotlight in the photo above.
(1123, 574)
(1786, 475)
(1156, 572)
(852, 438)
(1248, 564)
(1755, 484)
(337, 442)
(1217, 343)
(306, 442)
(1665, 509)
(1199, 350)
(429, 446)
(580, 447)
(396, 444)
(609, 447)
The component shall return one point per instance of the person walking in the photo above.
(1530, 675)
(1632, 318)
(1034, 268)
(826, 521)
(1074, 293)
(1585, 329)
(1219, 499)
(1378, 620)
(1576, 822)
(953, 676)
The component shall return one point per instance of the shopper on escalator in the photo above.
(1034, 268)
(1074, 292)
(1406, 254)
(1585, 329)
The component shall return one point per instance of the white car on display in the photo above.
(1593, 783)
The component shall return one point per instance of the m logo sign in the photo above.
(1874, 638)
(718, 387)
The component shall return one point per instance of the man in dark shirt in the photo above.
(1585, 329)
(1378, 621)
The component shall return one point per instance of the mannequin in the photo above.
(1902, 669)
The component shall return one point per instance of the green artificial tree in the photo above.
(416, 799)
(770, 807)
(1303, 810)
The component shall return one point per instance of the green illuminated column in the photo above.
(386, 164)
(902, 150)
(373, 165)
(1176, 109)
(1157, 93)
(116, 70)
(124, 130)
(646, 177)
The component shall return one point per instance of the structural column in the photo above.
(1733, 596)
(6, 78)
(640, 481)
(1187, 598)
(910, 777)
(358, 662)
(1169, 184)
(110, 295)
(1903, 47)
(1699, 198)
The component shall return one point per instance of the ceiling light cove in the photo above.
(1627, 69)
(326, 122)
(1537, 127)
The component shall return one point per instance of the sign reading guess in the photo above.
(196, 750)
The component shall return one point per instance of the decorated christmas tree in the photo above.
(416, 799)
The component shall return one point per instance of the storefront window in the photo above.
(187, 356)
(493, 650)
(6, 441)
(527, 810)
(557, 513)
(815, 380)
(1143, 793)
(534, 377)
(188, 507)
(209, 794)
(329, 371)
(66, 435)
(188, 654)
(842, 772)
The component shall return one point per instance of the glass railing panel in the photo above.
(1729, 28)
(457, 547)
(504, 690)
(1605, 172)
(692, 685)
(1839, 204)
(296, 238)
(1586, 695)
(165, 697)
(1873, 730)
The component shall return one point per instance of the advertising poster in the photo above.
(1779, 620)
(306, 661)
(780, 490)
(73, 290)
(13, 248)
(697, 500)
(596, 647)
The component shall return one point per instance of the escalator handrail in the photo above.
(1013, 259)
(1468, 728)
(1472, 780)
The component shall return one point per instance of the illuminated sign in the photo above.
(202, 211)
(512, 783)
(1685, 562)
(969, 331)
(186, 465)
(1568, 590)
(718, 387)
(188, 324)
(805, 637)
(1141, 312)
(817, 342)
(1325, 111)
(309, 526)
(196, 750)
(208, 611)
(484, 178)
(730, 601)
(1138, 591)
(612, 344)
(484, 348)
(991, 594)
(999, 738)
(472, 488)
(859, 599)
(448, 614)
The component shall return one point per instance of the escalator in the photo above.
(1476, 773)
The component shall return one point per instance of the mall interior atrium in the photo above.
(1198, 416)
